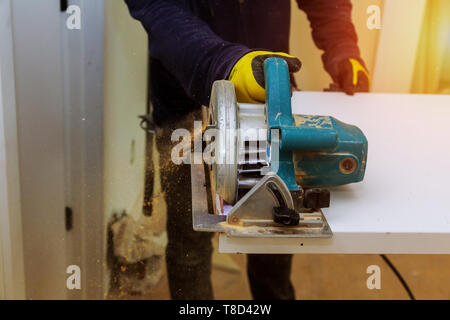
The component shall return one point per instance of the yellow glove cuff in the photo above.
(357, 66)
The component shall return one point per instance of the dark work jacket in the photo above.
(192, 43)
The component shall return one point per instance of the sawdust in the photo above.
(319, 122)
(138, 250)
(134, 242)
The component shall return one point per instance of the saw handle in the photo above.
(278, 93)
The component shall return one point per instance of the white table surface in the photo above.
(403, 204)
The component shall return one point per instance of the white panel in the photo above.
(402, 204)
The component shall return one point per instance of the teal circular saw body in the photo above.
(313, 151)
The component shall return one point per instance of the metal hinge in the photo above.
(63, 5)
(69, 218)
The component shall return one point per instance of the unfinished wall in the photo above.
(125, 98)
(313, 77)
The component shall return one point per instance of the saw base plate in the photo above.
(312, 224)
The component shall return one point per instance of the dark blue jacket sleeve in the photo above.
(332, 30)
(185, 45)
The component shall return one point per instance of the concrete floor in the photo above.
(340, 277)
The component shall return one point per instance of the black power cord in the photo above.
(399, 276)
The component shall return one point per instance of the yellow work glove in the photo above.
(353, 76)
(248, 74)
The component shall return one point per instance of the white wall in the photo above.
(40, 126)
(126, 61)
(398, 45)
(125, 97)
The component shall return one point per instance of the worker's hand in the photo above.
(353, 76)
(248, 74)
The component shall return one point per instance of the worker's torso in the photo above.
(257, 24)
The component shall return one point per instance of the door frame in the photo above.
(12, 282)
(83, 69)
(59, 90)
